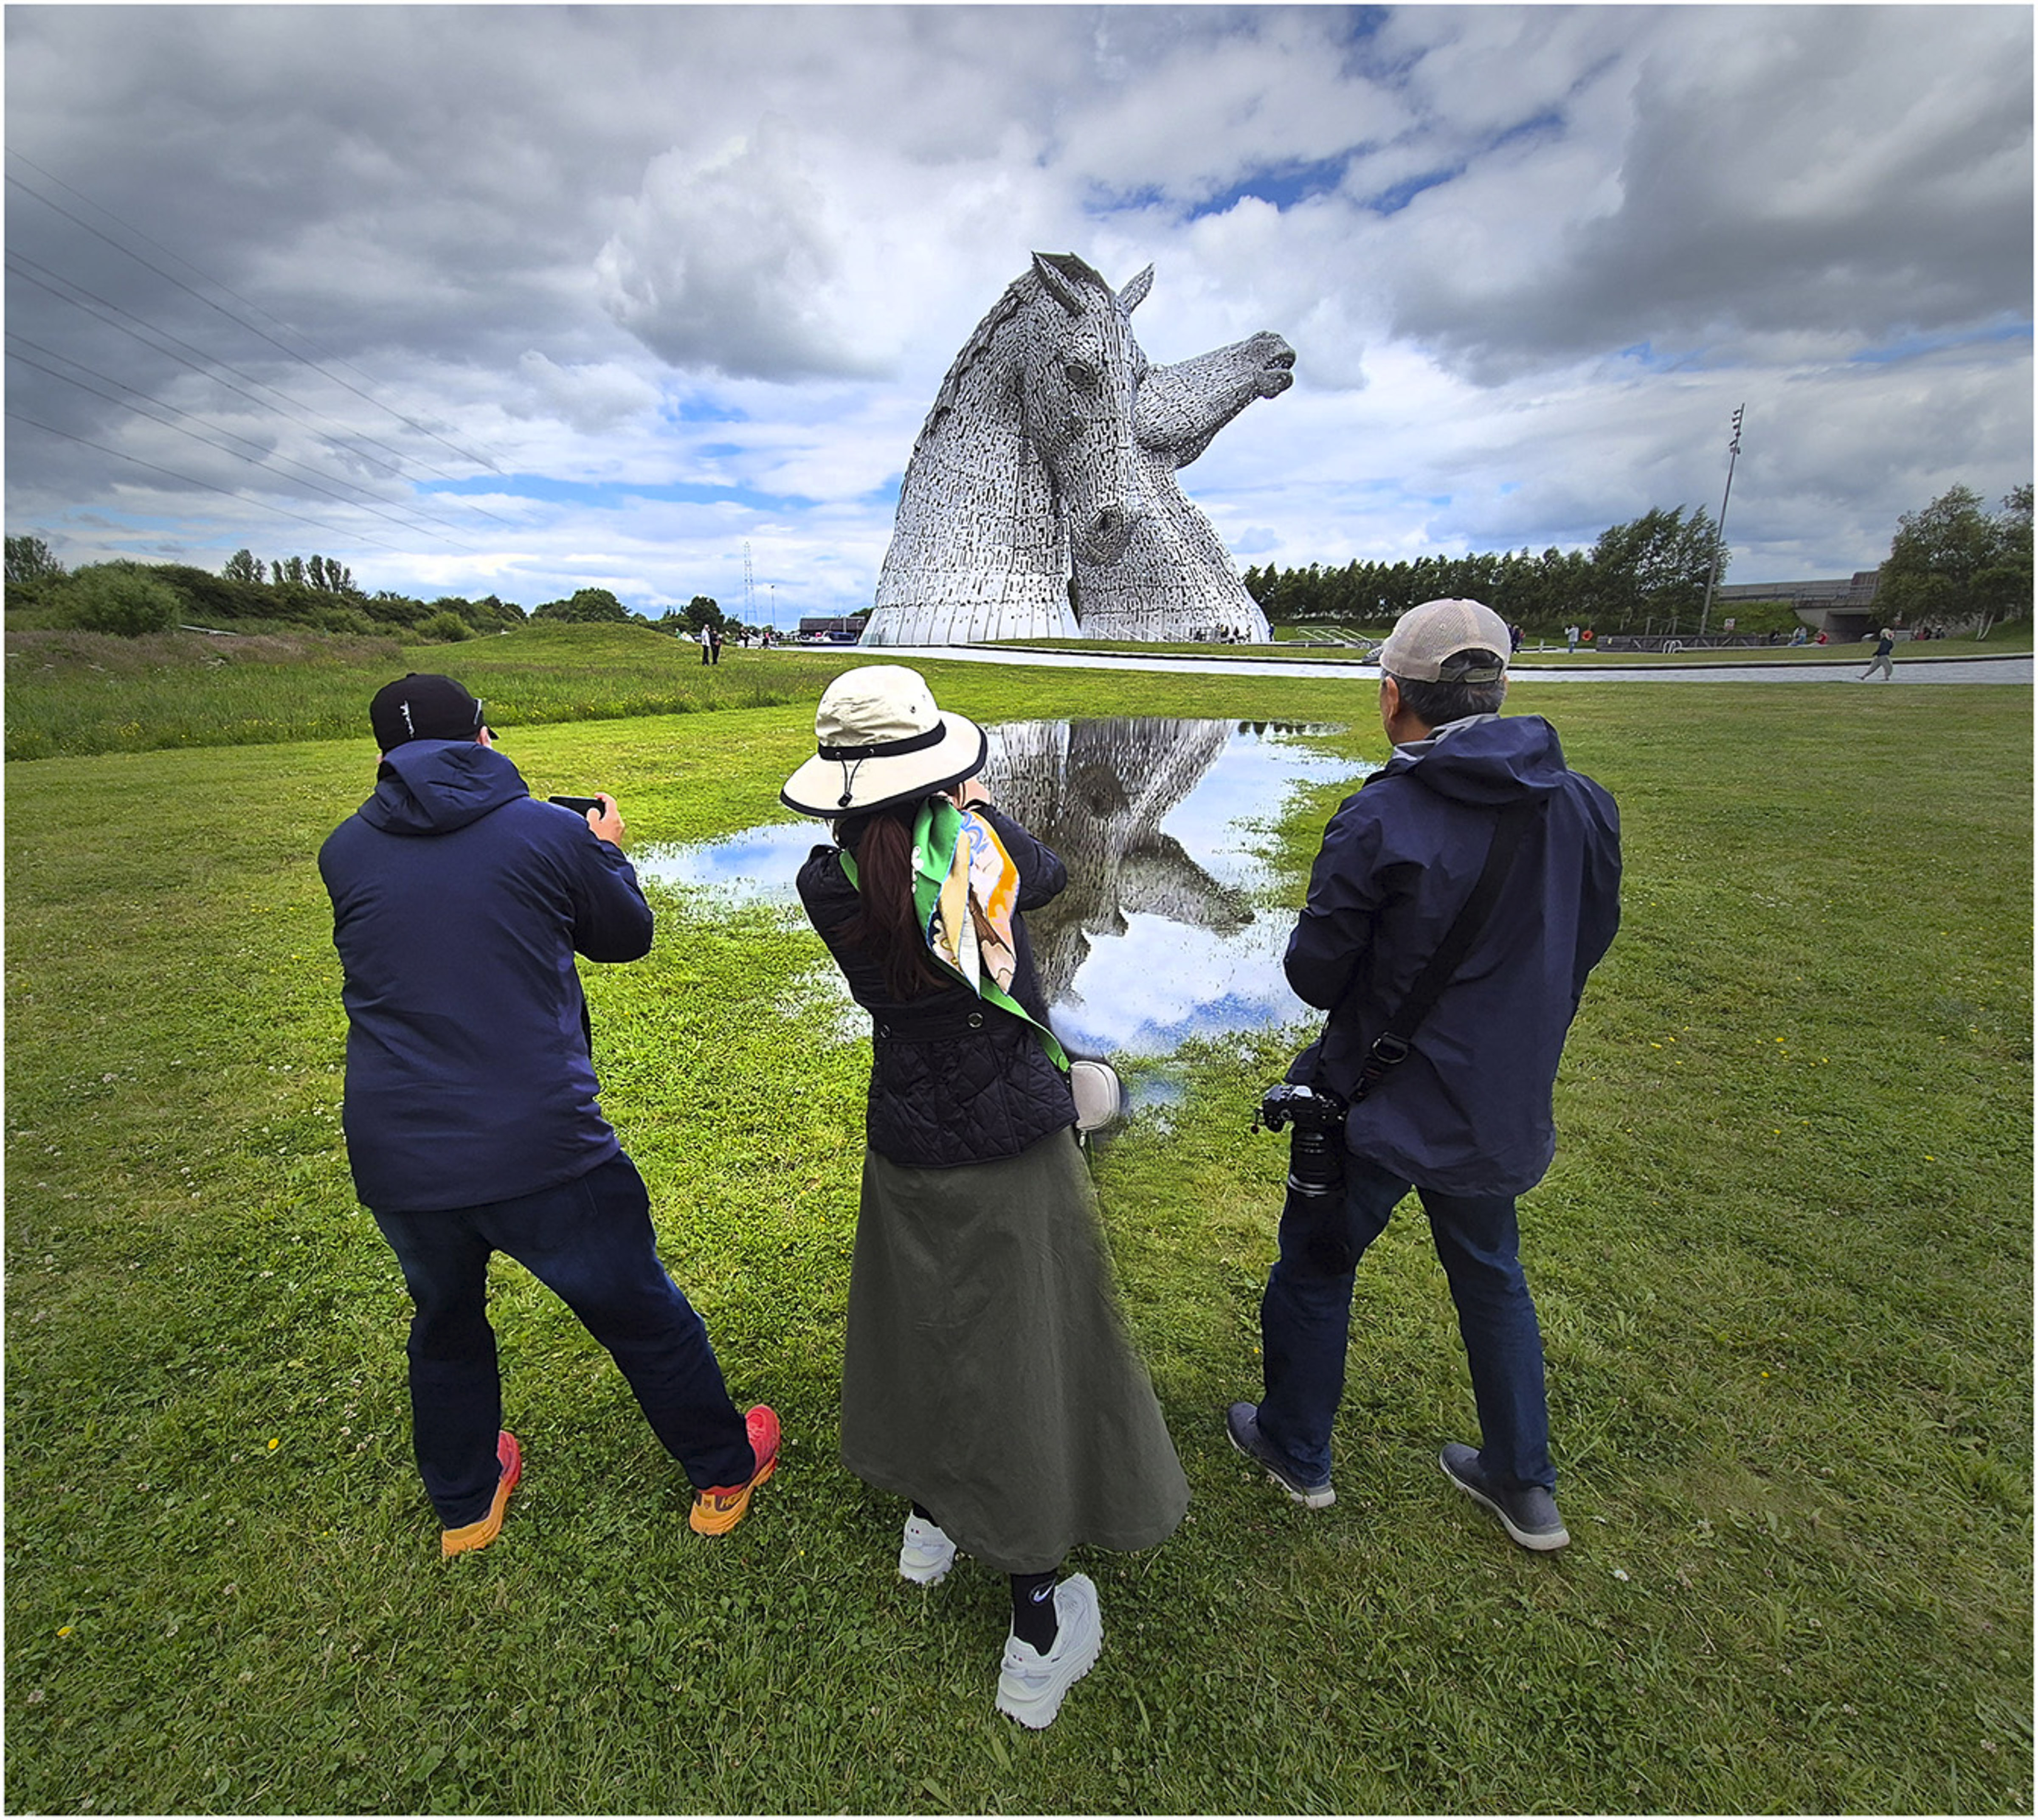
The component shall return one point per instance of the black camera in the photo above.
(1316, 1145)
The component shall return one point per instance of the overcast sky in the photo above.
(520, 299)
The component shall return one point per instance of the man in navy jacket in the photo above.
(472, 1125)
(1466, 1118)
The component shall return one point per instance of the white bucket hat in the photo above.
(882, 740)
(1425, 637)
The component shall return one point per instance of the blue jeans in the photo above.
(1305, 1317)
(590, 1242)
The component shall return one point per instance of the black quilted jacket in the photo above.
(953, 1080)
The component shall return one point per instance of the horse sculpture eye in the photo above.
(1082, 376)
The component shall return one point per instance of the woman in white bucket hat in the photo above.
(987, 1377)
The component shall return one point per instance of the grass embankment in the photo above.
(1783, 1262)
(72, 694)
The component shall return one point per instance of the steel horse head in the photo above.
(1026, 460)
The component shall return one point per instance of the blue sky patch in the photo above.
(611, 496)
(1920, 341)
(1397, 197)
(1283, 185)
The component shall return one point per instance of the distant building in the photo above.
(839, 626)
(1841, 609)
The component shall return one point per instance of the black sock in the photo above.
(1033, 1619)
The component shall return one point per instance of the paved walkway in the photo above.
(2011, 667)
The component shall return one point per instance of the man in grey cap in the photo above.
(1446, 1069)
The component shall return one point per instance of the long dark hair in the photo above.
(887, 923)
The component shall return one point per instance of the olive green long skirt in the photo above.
(987, 1374)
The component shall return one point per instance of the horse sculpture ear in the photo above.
(1062, 273)
(1135, 293)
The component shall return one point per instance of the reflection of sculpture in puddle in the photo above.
(1097, 791)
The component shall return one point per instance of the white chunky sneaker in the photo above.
(1030, 1685)
(926, 1554)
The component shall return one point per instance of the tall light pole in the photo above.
(1719, 543)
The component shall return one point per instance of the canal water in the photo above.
(1163, 934)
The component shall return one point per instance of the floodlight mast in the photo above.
(1719, 542)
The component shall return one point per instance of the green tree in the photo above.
(123, 598)
(586, 606)
(445, 628)
(1952, 559)
(701, 610)
(243, 566)
(31, 559)
(2004, 587)
(1654, 567)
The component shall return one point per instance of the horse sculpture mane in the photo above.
(1044, 476)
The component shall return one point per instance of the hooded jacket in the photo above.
(1468, 1112)
(953, 1079)
(458, 904)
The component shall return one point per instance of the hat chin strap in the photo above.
(850, 768)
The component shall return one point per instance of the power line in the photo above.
(252, 328)
(192, 480)
(252, 461)
(217, 283)
(204, 364)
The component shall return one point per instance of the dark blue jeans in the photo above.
(590, 1242)
(1305, 1316)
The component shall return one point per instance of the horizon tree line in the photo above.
(1952, 562)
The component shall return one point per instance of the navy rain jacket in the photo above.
(1468, 1112)
(458, 904)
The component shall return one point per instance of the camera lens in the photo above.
(1315, 1161)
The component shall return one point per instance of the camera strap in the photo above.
(1390, 1049)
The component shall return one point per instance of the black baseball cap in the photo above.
(423, 707)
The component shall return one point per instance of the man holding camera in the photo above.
(472, 1125)
(1460, 900)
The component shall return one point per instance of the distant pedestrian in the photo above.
(1570, 638)
(714, 643)
(707, 644)
(1513, 638)
(1884, 646)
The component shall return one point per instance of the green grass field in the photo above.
(1783, 1262)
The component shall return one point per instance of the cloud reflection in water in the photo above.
(1156, 939)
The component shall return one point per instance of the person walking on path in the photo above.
(987, 1377)
(473, 1126)
(1882, 660)
(1463, 1112)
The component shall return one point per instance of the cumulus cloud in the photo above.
(691, 275)
(732, 262)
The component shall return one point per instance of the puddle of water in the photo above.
(1156, 940)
